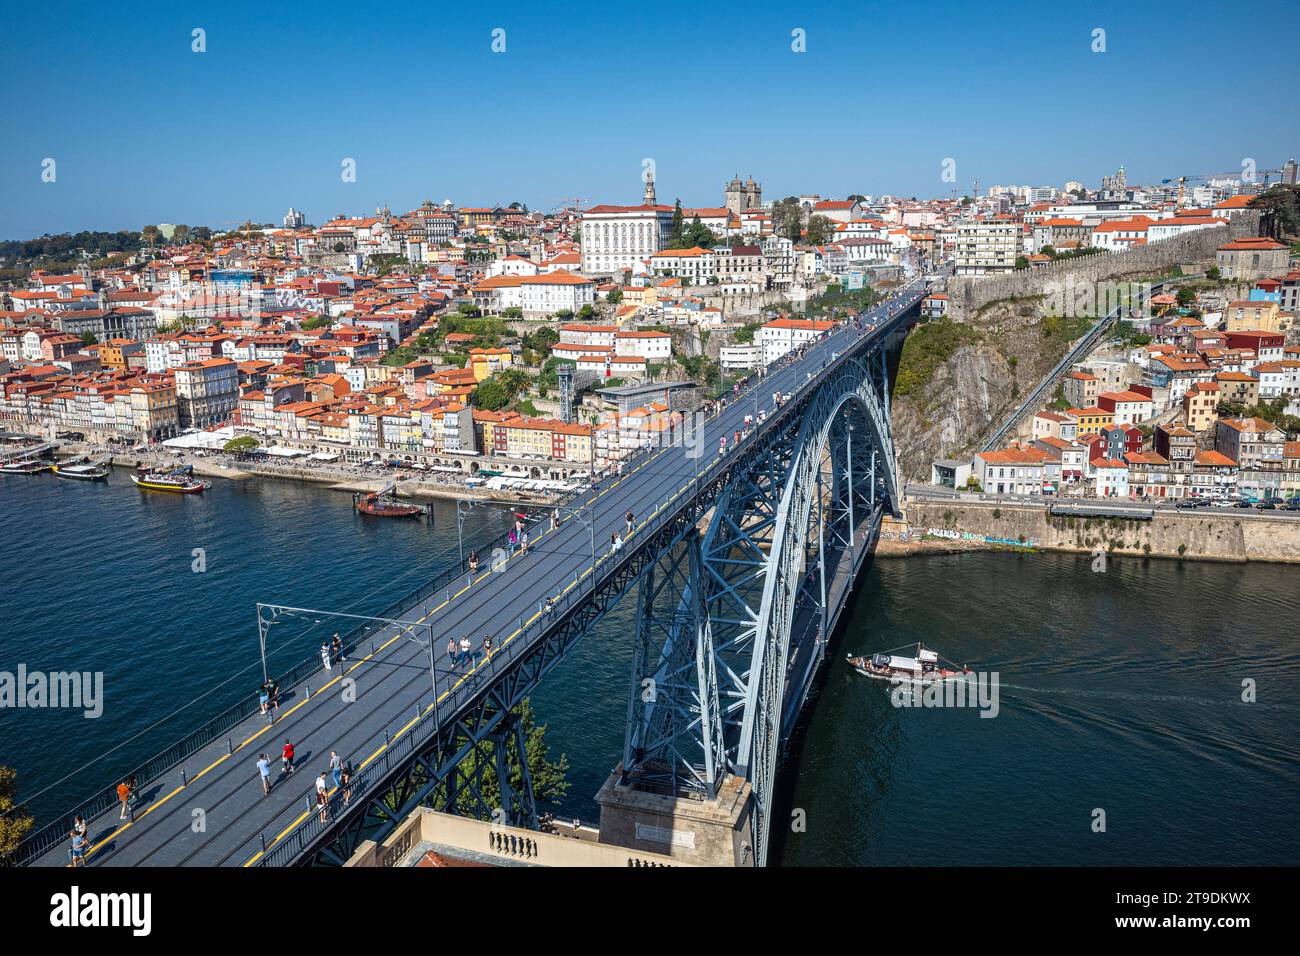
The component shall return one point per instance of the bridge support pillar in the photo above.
(706, 832)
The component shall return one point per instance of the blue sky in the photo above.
(144, 130)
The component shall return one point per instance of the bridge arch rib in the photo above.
(744, 602)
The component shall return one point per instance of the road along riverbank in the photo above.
(334, 477)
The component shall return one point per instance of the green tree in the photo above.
(615, 297)
(1283, 201)
(499, 391)
(549, 775)
(240, 445)
(14, 822)
(820, 230)
(675, 232)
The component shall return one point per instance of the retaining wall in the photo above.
(1211, 534)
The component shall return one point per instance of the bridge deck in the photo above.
(393, 684)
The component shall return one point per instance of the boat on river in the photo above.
(25, 466)
(921, 666)
(177, 480)
(83, 469)
(384, 504)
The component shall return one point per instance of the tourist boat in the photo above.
(83, 469)
(382, 504)
(178, 480)
(25, 466)
(924, 666)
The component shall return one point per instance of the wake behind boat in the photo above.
(178, 480)
(923, 666)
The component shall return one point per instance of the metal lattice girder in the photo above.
(674, 689)
(728, 716)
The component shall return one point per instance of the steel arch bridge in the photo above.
(738, 587)
(740, 575)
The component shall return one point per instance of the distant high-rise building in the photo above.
(741, 197)
(1289, 171)
(293, 219)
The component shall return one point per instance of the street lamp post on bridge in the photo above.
(264, 625)
(587, 519)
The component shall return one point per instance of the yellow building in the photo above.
(1245, 316)
(485, 362)
(1091, 420)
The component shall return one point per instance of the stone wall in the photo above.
(966, 294)
(1211, 534)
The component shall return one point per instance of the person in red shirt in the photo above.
(124, 796)
(286, 758)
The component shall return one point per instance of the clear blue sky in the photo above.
(143, 130)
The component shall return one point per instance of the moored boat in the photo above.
(25, 466)
(83, 469)
(177, 480)
(382, 504)
(923, 666)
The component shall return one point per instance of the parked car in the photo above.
(1292, 505)
(1245, 503)
(1225, 503)
(1187, 503)
(1266, 505)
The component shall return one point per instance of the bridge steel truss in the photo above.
(709, 684)
(721, 672)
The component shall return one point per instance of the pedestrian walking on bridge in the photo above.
(124, 798)
(286, 759)
(264, 771)
(336, 768)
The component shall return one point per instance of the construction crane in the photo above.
(575, 203)
(1210, 177)
(1182, 182)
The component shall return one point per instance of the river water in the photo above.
(1118, 692)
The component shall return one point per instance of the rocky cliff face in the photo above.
(957, 381)
(965, 394)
